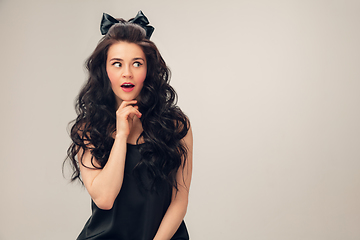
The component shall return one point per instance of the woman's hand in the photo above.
(104, 184)
(125, 116)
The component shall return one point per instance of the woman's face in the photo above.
(126, 68)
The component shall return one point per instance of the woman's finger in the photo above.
(125, 112)
(133, 111)
(127, 103)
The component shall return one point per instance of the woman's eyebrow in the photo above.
(120, 59)
(116, 59)
(139, 58)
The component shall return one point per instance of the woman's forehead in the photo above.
(125, 50)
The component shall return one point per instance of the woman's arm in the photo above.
(104, 184)
(179, 202)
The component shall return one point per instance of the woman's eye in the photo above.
(117, 64)
(137, 64)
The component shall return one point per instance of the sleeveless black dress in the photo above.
(136, 213)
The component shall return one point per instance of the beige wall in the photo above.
(271, 88)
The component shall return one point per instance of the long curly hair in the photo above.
(164, 124)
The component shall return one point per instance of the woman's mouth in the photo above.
(127, 87)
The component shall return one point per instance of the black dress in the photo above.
(136, 213)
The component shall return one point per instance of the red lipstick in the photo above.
(127, 86)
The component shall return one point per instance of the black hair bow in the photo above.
(107, 21)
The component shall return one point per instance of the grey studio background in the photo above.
(271, 88)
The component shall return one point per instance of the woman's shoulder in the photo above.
(182, 123)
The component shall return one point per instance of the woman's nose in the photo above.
(127, 72)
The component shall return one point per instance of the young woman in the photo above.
(132, 146)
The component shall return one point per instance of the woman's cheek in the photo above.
(112, 78)
(143, 77)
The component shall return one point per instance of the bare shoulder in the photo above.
(84, 156)
(188, 139)
(87, 160)
(89, 167)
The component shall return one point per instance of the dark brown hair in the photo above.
(164, 124)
